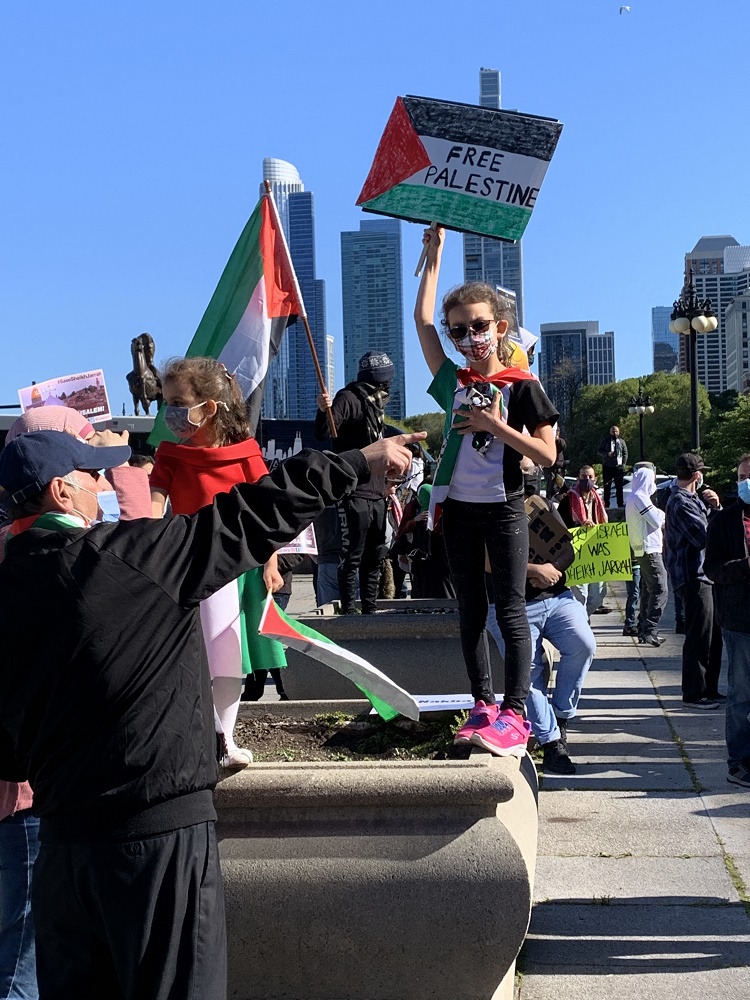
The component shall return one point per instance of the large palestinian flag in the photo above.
(386, 697)
(256, 299)
(474, 169)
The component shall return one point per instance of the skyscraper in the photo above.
(712, 281)
(372, 297)
(291, 383)
(664, 344)
(486, 259)
(574, 355)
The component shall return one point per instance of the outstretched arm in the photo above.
(424, 309)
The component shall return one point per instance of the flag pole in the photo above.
(308, 331)
(423, 255)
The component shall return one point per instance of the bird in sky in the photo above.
(623, 9)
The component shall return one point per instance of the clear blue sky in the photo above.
(134, 134)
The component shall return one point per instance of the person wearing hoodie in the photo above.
(727, 563)
(645, 529)
(359, 416)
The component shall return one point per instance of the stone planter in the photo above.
(377, 881)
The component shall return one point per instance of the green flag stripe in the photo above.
(238, 281)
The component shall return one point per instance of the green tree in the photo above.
(433, 424)
(666, 431)
(728, 438)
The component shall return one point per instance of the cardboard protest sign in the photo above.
(602, 553)
(474, 169)
(303, 545)
(549, 539)
(84, 392)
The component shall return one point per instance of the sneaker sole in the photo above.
(517, 751)
(701, 708)
(738, 781)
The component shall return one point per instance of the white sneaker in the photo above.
(237, 759)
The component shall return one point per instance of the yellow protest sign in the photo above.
(602, 553)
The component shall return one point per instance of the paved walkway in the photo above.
(643, 876)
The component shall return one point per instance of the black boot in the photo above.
(556, 759)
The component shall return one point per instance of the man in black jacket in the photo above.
(614, 456)
(727, 563)
(359, 415)
(105, 706)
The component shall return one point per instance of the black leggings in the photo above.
(502, 529)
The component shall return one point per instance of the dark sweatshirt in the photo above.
(105, 696)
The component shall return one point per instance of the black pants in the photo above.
(616, 473)
(654, 592)
(363, 548)
(501, 528)
(701, 651)
(131, 920)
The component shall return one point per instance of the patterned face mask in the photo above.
(177, 419)
(477, 347)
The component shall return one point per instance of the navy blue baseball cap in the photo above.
(31, 461)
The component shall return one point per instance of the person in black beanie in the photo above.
(359, 415)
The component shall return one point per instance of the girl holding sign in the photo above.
(478, 487)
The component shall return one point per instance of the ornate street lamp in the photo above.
(640, 404)
(691, 316)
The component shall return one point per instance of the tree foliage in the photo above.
(433, 424)
(727, 438)
(666, 431)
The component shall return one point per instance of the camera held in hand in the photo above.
(480, 395)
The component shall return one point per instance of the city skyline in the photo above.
(128, 226)
(571, 355)
(372, 302)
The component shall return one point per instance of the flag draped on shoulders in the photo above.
(257, 297)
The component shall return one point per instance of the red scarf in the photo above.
(467, 376)
(578, 507)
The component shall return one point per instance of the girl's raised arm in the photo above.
(424, 309)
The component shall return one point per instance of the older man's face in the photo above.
(83, 495)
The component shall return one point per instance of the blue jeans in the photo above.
(632, 590)
(561, 620)
(327, 583)
(19, 846)
(737, 645)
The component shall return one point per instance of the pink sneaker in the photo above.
(507, 736)
(481, 716)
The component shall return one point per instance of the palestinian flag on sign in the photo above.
(474, 169)
(386, 697)
(257, 297)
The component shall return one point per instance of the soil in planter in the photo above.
(336, 737)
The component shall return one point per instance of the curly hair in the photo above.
(209, 379)
(501, 306)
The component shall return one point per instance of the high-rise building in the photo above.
(664, 343)
(372, 295)
(291, 383)
(712, 281)
(485, 259)
(738, 350)
(573, 355)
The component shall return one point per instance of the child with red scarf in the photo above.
(478, 487)
(205, 410)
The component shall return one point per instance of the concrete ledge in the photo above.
(377, 880)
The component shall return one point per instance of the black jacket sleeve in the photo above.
(191, 558)
(341, 407)
(726, 559)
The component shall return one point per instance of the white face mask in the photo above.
(107, 502)
(477, 348)
(699, 480)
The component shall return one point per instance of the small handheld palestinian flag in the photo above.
(387, 698)
(465, 167)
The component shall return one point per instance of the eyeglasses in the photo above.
(461, 330)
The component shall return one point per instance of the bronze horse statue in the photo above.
(144, 382)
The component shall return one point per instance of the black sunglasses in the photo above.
(461, 330)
